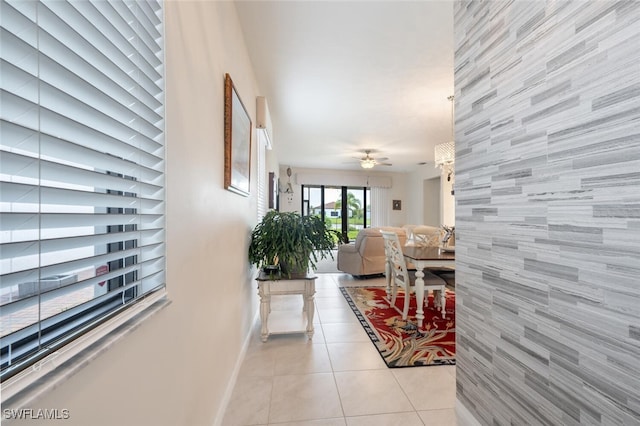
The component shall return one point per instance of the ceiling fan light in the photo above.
(445, 153)
(367, 163)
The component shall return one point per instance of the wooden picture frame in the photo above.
(397, 205)
(273, 191)
(237, 141)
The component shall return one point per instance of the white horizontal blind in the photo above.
(81, 165)
(262, 174)
(344, 179)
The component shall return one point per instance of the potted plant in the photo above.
(291, 243)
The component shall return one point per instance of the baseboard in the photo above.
(464, 416)
(231, 384)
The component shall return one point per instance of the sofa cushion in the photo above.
(365, 233)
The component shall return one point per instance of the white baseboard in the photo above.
(226, 398)
(464, 416)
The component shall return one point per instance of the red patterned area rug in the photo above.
(399, 342)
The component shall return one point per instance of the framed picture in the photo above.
(273, 191)
(397, 205)
(237, 141)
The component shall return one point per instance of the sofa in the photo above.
(365, 256)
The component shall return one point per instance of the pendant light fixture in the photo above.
(445, 153)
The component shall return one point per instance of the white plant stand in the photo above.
(269, 285)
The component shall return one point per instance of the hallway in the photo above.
(338, 378)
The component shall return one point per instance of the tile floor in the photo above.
(338, 378)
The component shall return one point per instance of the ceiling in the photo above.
(344, 76)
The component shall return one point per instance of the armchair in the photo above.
(366, 256)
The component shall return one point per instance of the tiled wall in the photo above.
(548, 211)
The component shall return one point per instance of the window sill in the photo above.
(48, 373)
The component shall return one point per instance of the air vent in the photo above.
(263, 119)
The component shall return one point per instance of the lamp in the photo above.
(445, 153)
(367, 163)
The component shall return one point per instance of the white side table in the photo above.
(280, 285)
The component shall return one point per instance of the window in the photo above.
(327, 203)
(81, 168)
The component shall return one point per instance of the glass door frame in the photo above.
(344, 207)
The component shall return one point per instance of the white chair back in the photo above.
(397, 274)
(427, 236)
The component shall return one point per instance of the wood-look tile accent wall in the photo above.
(548, 211)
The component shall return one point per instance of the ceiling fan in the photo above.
(368, 162)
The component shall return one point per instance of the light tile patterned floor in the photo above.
(338, 378)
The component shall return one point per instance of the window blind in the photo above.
(81, 167)
(262, 173)
(380, 206)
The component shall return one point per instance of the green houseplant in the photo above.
(291, 243)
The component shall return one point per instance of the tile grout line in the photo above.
(333, 372)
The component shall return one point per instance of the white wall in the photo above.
(448, 201)
(175, 368)
(399, 192)
(431, 206)
(415, 187)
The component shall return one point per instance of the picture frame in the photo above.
(397, 205)
(273, 191)
(237, 141)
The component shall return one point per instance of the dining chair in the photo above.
(449, 277)
(431, 236)
(397, 275)
(427, 236)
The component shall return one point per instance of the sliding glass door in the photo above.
(345, 209)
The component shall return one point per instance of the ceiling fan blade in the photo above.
(368, 158)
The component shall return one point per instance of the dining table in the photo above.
(427, 257)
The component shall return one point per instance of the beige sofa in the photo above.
(365, 256)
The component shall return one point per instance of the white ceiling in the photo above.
(344, 76)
